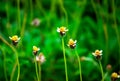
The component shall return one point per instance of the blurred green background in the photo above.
(95, 24)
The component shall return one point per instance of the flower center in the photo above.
(97, 52)
(15, 38)
(62, 29)
(35, 48)
(71, 42)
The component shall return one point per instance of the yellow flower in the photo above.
(40, 58)
(35, 49)
(72, 43)
(15, 39)
(97, 54)
(114, 76)
(62, 30)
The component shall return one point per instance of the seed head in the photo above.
(40, 58)
(108, 67)
(36, 22)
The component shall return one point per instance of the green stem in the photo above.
(18, 6)
(31, 8)
(63, 10)
(16, 53)
(79, 64)
(116, 29)
(13, 71)
(5, 68)
(18, 67)
(4, 64)
(39, 65)
(36, 69)
(101, 70)
(7, 11)
(64, 59)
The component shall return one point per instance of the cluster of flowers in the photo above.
(71, 43)
(39, 58)
(97, 54)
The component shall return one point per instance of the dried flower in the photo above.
(72, 43)
(108, 67)
(36, 22)
(14, 39)
(62, 30)
(97, 54)
(35, 50)
(83, 58)
(40, 58)
(114, 76)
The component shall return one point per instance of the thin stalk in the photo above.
(105, 75)
(4, 64)
(101, 70)
(23, 29)
(7, 11)
(13, 71)
(63, 47)
(116, 29)
(36, 69)
(5, 68)
(31, 9)
(18, 67)
(78, 57)
(18, 12)
(39, 65)
(16, 53)
(65, 12)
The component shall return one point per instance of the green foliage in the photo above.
(93, 23)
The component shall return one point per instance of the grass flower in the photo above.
(72, 43)
(114, 76)
(62, 30)
(35, 50)
(40, 58)
(15, 39)
(36, 22)
(109, 67)
(97, 54)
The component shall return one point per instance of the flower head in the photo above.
(40, 58)
(97, 54)
(72, 43)
(36, 22)
(109, 67)
(83, 58)
(35, 50)
(114, 76)
(62, 30)
(14, 39)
